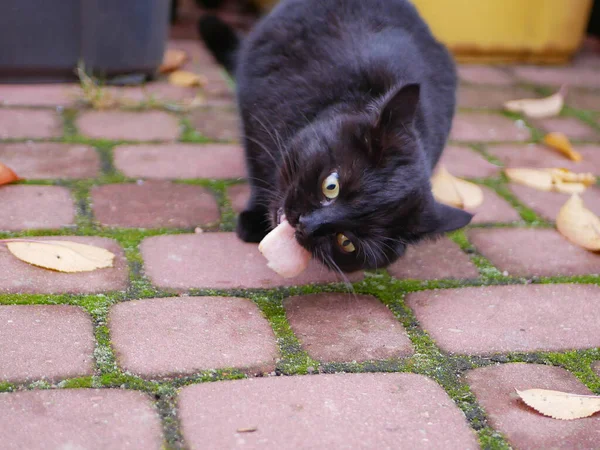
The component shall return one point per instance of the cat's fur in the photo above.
(355, 86)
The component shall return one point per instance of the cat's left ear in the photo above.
(399, 108)
(445, 219)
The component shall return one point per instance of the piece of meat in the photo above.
(284, 254)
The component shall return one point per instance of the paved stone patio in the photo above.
(190, 341)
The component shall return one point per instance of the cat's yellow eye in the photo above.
(345, 243)
(331, 186)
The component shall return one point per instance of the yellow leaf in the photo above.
(172, 60)
(535, 178)
(186, 79)
(7, 175)
(455, 192)
(560, 142)
(565, 175)
(568, 188)
(578, 224)
(538, 107)
(560, 405)
(63, 256)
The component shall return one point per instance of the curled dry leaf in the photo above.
(7, 175)
(455, 192)
(186, 79)
(560, 142)
(62, 256)
(538, 108)
(578, 224)
(560, 405)
(283, 252)
(535, 178)
(557, 180)
(172, 60)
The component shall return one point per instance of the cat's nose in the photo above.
(309, 224)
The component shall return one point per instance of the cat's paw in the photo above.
(252, 226)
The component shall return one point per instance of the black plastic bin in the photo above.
(44, 40)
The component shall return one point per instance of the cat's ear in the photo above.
(446, 218)
(399, 108)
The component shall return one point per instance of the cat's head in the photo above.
(356, 186)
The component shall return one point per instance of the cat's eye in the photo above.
(345, 243)
(331, 186)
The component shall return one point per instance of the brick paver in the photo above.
(494, 209)
(17, 276)
(467, 163)
(238, 194)
(48, 160)
(524, 428)
(548, 204)
(434, 259)
(28, 207)
(159, 91)
(79, 418)
(533, 252)
(539, 156)
(471, 127)
(38, 94)
(217, 123)
(49, 342)
(556, 76)
(29, 123)
(180, 161)
(572, 127)
(154, 204)
(346, 327)
(218, 260)
(335, 411)
(589, 100)
(134, 126)
(477, 74)
(493, 319)
(173, 336)
(485, 98)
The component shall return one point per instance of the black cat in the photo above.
(346, 107)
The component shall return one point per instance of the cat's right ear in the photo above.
(398, 109)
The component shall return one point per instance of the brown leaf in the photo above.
(186, 79)
(560, 142)
(560, 405)
(578, 224)
(7, 175)
(62, 256)
(455, 192)
(538, 107)
(172, 60)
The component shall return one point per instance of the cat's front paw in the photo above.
(252, 226)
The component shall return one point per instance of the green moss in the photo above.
(77, 383)
(189, 133)
(7, 387)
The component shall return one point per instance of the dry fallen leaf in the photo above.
(63, 256)
(172, 60)
(578, 224)
(560, 142)
(538, 108)
(186, 79)
(7, 175)
(565, 175)
(535, 178)
(455, 192)
(557, 180)
(560, 405)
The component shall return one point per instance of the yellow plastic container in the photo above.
(508, 31)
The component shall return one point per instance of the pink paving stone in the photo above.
(38, 94)
(518, 318)
(573, 76)
(467, 163)
(48, 160)
(239, 194)
(181, 161)
(174, 336)
(589, 100)
(382, 411)
(487, 127)
(17, 276)
(346, 327)
(494, 209)
(160, 91)
(490, 98)
(29, 207)
(572, 127)
(29, 123)
(217, 123)
(125, 125)
(534, 252)
(78, 419)
(548, 204)
(429, 260)
(219, 261)
(538, 156)
(484, 75)
(154, 204)
(524, 428)
(49, 342)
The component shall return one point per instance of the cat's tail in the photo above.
(221, 39)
